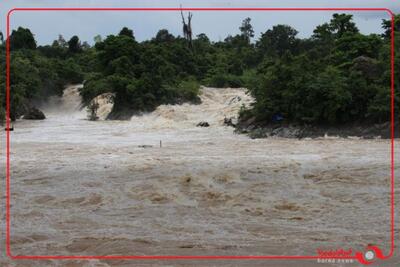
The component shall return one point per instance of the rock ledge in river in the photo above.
(355, 130)
(34, 114)
(203, 124)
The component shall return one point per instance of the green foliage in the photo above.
(126, 32)
(2, 113)
(69, 72)
(74, 45)
(114, 47)
(342, 24)
(35, 74)
(279, 40)
(163, 36)
(222, 80)
(95, 85)
(247, 29)
(188, 90)
(22, 39)
(338, 75)
(143, 75)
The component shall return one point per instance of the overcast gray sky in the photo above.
(217, 25)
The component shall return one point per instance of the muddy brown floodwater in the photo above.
(107, 188)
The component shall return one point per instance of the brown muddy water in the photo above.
(91, 188)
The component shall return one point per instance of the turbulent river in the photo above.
(80, 187)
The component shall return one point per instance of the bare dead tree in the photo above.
(187, 28)
(92, 110)
(190, 29)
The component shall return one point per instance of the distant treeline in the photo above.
(338, 75)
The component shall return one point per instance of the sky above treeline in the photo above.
(216, 25)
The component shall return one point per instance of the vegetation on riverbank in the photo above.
(36, 72)
(336, 76)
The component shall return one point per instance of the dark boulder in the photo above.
(34, 114)
(203, 124)
(229, 122)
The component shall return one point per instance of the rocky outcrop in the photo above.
(34, 114)
(203, 124)
(229, 122)
(105, 104)
(286, 130)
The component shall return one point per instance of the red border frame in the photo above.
(358, 255)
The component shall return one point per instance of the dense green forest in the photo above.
(338, 75)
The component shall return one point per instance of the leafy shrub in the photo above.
(224, 80)
(186, 90)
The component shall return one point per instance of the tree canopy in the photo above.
(22, 39)
(338, 75)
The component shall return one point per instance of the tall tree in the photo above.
(74, 45)
(280, 39)
(247, 29)
(126, 32)
(164, 36)
(22, 39)
(387, 26)
(97, 39)
(61, 41)
(322, 32)
(342, 23)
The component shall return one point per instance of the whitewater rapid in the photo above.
(82, 187)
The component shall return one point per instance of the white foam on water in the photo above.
(106, 187)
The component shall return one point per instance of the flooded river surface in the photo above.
(80, 187)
